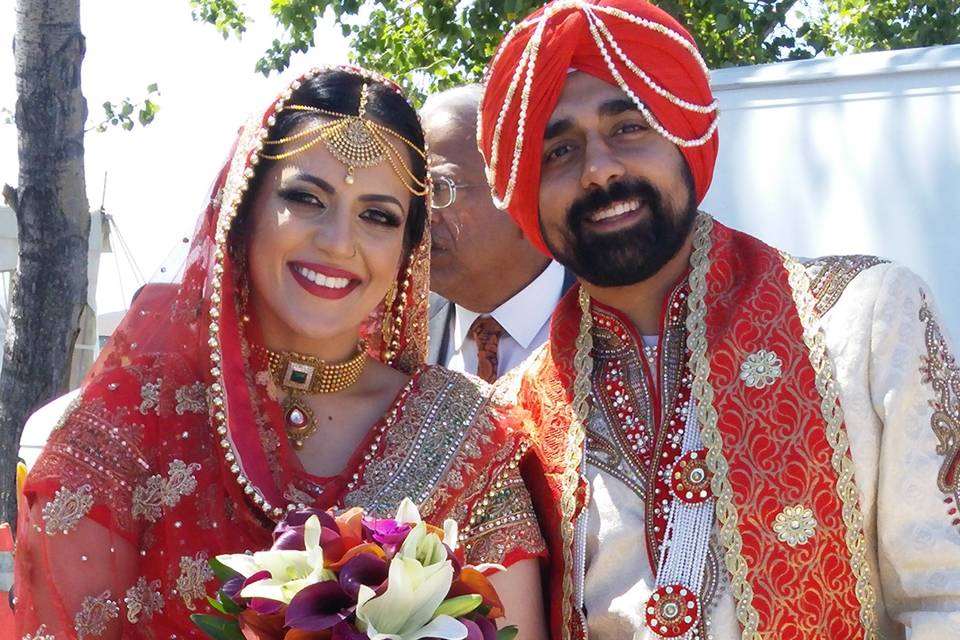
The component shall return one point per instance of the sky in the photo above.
(157, 177)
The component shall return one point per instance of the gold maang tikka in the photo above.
(356, 141)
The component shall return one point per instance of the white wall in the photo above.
(859, 154)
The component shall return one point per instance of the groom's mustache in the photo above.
(602, 197)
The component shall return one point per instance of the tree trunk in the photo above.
(53, 222)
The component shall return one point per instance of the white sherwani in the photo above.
(900, 393)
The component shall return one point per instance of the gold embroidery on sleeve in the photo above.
(95, 614)
(66, 509)
(830, 276)
(194, 572)
(939, 369)
(143, 598)
(158, 492)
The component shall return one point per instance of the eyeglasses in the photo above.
(445, 191)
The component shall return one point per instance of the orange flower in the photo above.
(368, 547)
(472, 581)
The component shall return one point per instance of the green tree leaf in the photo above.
(430, 45)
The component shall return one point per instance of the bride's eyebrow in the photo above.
(312, 179)
(377, 197)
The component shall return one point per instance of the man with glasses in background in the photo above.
(494, 291)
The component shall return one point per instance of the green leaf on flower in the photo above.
(229, 604)
(215, 603)
(507, 633)
(225, 604)
(459, 606)
(222, 571)
(217, 627)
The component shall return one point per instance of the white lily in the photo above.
(407, 512)
(290, 570)
(405, 611)
(450, 533)
(423, 546)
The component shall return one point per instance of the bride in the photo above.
(285, 369)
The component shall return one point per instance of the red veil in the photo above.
(164, 455)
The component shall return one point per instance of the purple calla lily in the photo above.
(319, 606)
(231, 588)
(365, 568)
(345, 631)
(289, 532)
(455, 561)
(261, 605)
(483, 625)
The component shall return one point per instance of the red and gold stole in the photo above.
(777, 446)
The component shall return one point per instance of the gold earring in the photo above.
(243, 290)
(386, 326)
(392, 345)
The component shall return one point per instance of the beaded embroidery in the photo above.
(761, 369)
(795, 525)
(143, 598)
(66, 509)
(194, 573)
(939, 369)
(158, 492)
(95, 614)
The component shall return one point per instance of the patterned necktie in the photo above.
(486, 332)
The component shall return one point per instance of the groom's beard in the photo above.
(634, 254)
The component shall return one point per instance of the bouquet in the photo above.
(349, 576)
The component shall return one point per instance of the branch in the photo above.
(10, 197)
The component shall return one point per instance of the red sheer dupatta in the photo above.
(175, 451)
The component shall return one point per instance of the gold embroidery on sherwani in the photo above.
(703, 393)
(192, 398)
(939, 369)
(837, 437)
(95, 614)
(830, 275)
(40, 634)
(194, 573)
(143, 598)
(158, 492)
(66, 509)
(795, 525)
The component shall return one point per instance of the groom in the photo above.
(730, 443)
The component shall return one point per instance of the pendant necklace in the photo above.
(300, 375)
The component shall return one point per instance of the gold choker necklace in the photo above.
(300, 375)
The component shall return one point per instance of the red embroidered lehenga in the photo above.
(175, 451)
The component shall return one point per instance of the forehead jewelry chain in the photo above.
(299, 375)
(355, 141)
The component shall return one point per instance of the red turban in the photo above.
(663, 71)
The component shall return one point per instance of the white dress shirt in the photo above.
(525, 319)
